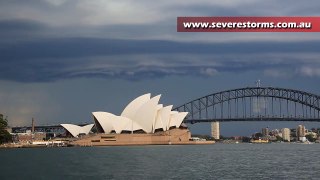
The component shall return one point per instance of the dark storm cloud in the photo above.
(55, 59)
(20, 29)
(51, 40)
(19, 25)
(86, 47)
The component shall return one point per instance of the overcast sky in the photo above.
(63, 59)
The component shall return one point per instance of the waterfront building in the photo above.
(28, 137)
(143, 114)
(301, 132)
(274, 132)
(143, 122)
(286, 134)
(215, 130)
(265, 132)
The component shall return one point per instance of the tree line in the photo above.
(5, 136)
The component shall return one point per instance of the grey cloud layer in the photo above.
(54, 59)
(51, 40)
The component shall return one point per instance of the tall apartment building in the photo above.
(286, 134)
(215, 130)
(265, 132)
(301, 132)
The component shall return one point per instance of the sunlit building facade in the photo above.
(301, 133)
(215, 130)
(286, 134)
(265, 132)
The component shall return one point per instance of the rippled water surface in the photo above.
(218, 161)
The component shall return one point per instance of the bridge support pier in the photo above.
(215, 130)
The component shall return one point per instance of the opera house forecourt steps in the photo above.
(143, 122)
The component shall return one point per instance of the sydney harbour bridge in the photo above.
(253, 104)
(242, 104)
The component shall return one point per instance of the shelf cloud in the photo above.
(44, 41)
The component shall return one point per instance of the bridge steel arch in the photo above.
(201, 104)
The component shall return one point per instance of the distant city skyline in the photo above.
(62, 60)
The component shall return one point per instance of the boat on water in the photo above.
(259, 141)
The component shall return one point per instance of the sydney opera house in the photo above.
(143, 114)
(143, 121)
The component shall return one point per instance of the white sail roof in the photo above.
(132, 126)
(165, 116)
(105, 120)
(172, 119)
(119, 123)
(142, 113)
(178, 118)
(75, 130)
(146, 115)
(134, 105)
(157, 124)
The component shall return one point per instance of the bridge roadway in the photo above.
(193, 121)
(42, 128)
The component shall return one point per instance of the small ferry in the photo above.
(259, 141)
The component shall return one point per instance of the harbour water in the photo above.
(218, 161)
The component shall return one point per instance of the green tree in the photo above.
(257, 136)
(310, 138)
(279, 138)
(5, 136)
